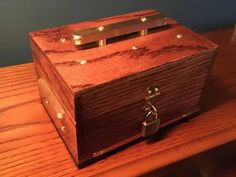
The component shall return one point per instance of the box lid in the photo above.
(83, 69)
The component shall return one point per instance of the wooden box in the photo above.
(109, 81)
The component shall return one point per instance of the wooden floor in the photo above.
(30, 145)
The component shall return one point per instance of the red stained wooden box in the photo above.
(96, 96)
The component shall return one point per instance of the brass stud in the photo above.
(179, 36)
(95, 154)
(83, 62)
(46, 101)
(63, 128)
(143, 19)
(63, 39)
(60, 115)
(149, 92)
(156, 89)
(101, 28)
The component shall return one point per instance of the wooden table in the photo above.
(30, 145)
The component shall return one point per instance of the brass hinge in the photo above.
(50, 99)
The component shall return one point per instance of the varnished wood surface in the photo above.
(208, 164)
(30, 145)
(180, 86)
(105, 94)
(107, 64)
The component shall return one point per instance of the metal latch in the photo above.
(151, 123)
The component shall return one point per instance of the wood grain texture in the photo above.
(180, 77)
(204, 164)
(45, 70)
(117, 60)
(180, 86)
(30, 145)
(105, 95)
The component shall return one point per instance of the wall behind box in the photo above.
(19, 17)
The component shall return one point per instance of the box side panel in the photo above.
(180, 84)
(66, 130)
(56, 83)
(65, 126)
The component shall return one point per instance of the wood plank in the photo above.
(30, 145)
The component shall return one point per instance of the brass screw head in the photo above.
(149, 92)
(134, 48)
(46, 101)
(63, 128)
(101, 28)
(179, 36)
(60, 115)
(83, 62)
(63, 39)
(156, 89)
(143, 19)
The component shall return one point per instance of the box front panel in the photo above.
(180, 84)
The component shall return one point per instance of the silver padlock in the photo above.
(150, 125)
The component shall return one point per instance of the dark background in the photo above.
(18, 17)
